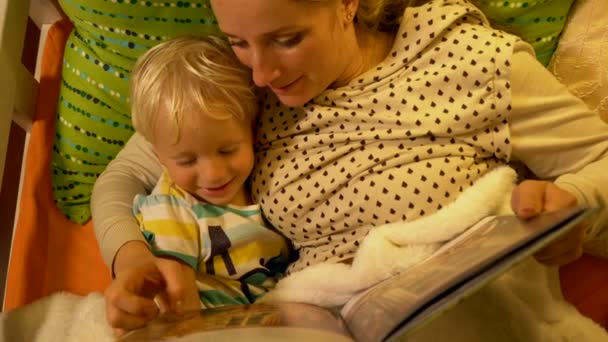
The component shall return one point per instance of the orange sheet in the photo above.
(585, 284)
(49, 253)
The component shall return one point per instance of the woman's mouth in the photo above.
(282, 90)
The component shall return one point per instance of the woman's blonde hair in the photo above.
(383, 15)
(186, 77)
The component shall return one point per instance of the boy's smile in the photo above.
(211, 158)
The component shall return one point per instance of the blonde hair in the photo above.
(382, 15)
(186, 77)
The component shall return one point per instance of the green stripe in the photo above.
(203, 210)
(213, 298)
(188, 259)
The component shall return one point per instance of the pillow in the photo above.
(538, 22)
(581, 58)
(93, 116)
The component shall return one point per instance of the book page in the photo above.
(458, 268)
(259, 322)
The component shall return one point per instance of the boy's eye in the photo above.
(228, 150)
(289, 41)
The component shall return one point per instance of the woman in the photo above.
(372, 119)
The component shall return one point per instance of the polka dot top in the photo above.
(400, 142)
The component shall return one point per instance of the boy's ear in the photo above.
(155, 153)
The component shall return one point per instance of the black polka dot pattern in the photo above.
(400, 142)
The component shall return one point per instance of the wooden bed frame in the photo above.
(23, 26)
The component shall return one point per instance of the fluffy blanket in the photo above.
(524, 304)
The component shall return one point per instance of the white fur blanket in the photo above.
(524, 304)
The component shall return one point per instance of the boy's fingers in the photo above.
(527, 199)
(175, 287)
(122, 321)
(162, 302)
(118, 332)
(136, 305)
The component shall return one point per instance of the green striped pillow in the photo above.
(539, 23)
(93, 116)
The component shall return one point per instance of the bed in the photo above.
(51, 253)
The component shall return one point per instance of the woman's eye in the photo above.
(237, 43)
(290, 41)
(186, 162)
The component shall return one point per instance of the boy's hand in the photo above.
(181, 294)
(531, 198)
(140, 277)
(129, 298)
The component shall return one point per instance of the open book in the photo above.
(390, 309)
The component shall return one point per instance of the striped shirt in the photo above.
(236, 257)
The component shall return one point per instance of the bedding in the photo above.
(93, 116)
(538, 22)
(52, 253)
(581, 58)
(522, 298)
(49, 252)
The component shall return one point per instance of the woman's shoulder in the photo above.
(453, 25)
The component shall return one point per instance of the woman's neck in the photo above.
(373, 47)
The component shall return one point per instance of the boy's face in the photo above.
(211, 160)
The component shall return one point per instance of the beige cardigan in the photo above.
(552, 132)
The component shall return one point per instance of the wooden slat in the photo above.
(13, 21)
(16, 148)
(8, 198)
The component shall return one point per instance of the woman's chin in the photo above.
(294, 100)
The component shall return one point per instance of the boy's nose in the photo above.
(213, 173)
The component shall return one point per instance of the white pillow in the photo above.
(581, 59)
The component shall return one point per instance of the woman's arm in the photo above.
(558, 137)
(134, 171)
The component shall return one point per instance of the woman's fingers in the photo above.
(531, 198)
(559, 259)
(527, 199)
(564, 250)
(556, 198)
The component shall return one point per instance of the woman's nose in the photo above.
(264, 69)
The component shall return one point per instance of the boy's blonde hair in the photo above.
(186, 77)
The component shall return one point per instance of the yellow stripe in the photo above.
(168, 187)
(186, 231)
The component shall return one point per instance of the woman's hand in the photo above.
(140, 277)
(531, 198)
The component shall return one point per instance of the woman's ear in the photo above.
(349, 10)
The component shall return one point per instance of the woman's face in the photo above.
(296, 48)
